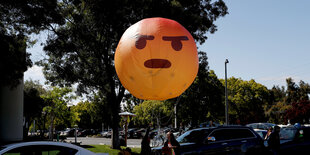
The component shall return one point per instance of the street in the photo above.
(102, 141)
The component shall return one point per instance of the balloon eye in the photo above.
(141, 41)
(176, 43)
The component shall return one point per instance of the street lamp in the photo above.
(226, 100)
(75, 134)
(127, 119)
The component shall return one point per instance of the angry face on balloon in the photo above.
(156, 59)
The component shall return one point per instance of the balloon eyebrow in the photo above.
(174, 38)
(147, 37)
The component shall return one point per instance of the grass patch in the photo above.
(107, 149)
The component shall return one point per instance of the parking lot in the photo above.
(102, 141)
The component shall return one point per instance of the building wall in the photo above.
(11, 113)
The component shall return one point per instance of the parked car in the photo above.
(219, 140)
(43, 147)
(209, 124)
(107, 133)
(262, 126)
(261, 132)
(175, 131)
(131, 132)
(140, 133)
(295, 140)
(86, 132)
(69, 132)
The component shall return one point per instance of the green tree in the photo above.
(277, 112)
(91, 114)
(18, 19)
(295, 92)
(296, 98)
(33, 103)
(101, 113)
(130, 102)
(304, 91)
(277, 93)
(246, 100)
(274, 110)
(203, 100)
(291, 91)
(82, 51)
(286, 102)
(158, 113)
(83, 112)
(57, 108)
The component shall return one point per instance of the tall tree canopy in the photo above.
(287, 104)
(33, 103)
(82, 51)
(57, 100)
(299, 112)
(246, 100)
(158, 113)
(18, 19)
(204, 98)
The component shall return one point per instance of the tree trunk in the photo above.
(115, 124)
(115, 118)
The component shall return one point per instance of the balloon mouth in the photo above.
(157, 63)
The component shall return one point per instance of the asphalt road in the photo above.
(102, 141)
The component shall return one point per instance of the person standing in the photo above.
(171, 145)
(268, 133)
(274, 140)
(181, 129)
(145, 143)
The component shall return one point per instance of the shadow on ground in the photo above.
(86, 146)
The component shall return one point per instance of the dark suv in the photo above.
(219, 140)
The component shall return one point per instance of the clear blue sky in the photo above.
(264, 40)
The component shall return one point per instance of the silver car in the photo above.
(43, 147)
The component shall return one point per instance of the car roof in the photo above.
(260, 130)
(262, 124)
(21, 144)
(41, 143)
(223, 127)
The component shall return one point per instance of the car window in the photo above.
(241, 133)
(42, 150)
(222, 134)
(229, 134)
(254, 126)
(288, 133)
(262, 134)
(193, 136)
(260, 126)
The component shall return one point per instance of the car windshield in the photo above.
(287, 133)
(1, 148)
(193, 136)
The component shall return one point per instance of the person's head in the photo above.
(170, 136)
(152, 135)
(270, 129)
(297, 125)
(276, 129)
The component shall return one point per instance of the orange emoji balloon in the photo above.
(156, 59)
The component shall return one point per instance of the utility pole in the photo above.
(175, 116)
(226, 97)
(175, 112)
